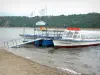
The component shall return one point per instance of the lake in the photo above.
(83, 60)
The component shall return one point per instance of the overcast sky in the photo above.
(54, 7)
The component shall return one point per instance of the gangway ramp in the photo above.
(16, 42)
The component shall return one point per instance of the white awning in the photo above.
(40, 23)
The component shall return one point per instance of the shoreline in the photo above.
(56, 28)
(10, 64)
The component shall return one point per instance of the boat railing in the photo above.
(50, 34)
(90, 37)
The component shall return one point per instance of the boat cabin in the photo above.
(72, 33)
(75, 34)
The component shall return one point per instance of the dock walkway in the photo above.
(15, 42)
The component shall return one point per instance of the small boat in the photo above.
(72, 38)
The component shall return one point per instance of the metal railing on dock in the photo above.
(48, 33)
(15, 42)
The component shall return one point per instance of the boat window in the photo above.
(69, 34)
(76, 32)
(82, 36)
(78, 36)
(75, 36)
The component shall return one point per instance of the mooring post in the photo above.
(4, 44)
(16, 42)
(7, 44)
(12, 42)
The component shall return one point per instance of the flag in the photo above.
(42, 12)
(31, 14)
(42, 28)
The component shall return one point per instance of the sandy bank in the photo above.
(11, 64)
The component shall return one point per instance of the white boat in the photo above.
(72, 38)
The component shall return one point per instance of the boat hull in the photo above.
(74, 44)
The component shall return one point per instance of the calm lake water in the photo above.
(83, 60)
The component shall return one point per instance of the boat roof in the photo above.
(73, 29)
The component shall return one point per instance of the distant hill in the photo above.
(90, 20)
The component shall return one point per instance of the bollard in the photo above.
(16, 42)
(4, 44)
(7, 44)
(13, 42)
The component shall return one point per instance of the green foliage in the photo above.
(90, 20)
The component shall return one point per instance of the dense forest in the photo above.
(90, 20)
